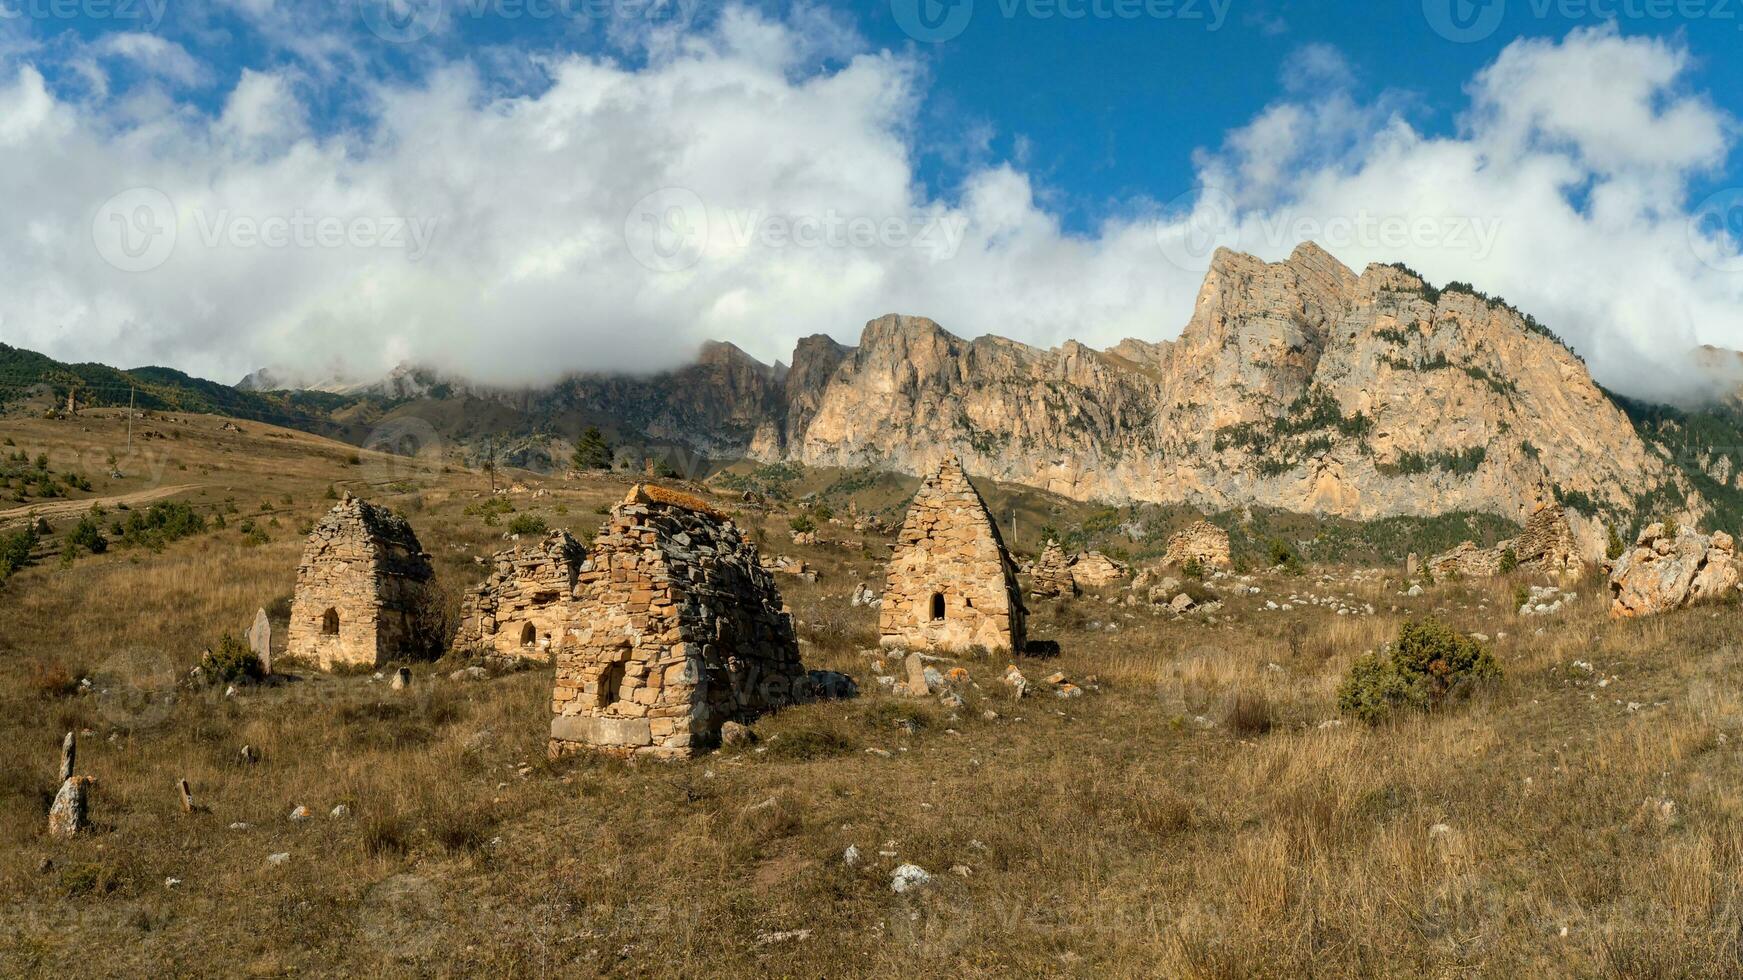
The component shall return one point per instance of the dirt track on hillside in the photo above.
(56, 509)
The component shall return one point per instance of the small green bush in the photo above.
(527, 524)
(1193, 568)
(230, 662)
(1613, 550)
(1428, 664)
(1509, 560)
(88, 534)
(803, 524)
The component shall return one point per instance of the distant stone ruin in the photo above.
(1203, 541)
(1670, 568)
(1548, 543)
(524, 608)
(1466, 561)
(362, 591)
(676, 630)
(1051, 576)
(1094, 570)
(951, 583)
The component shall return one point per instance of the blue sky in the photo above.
(513, 188)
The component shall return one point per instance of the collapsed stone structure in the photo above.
(362, 591)
(1467, 561)
(1050, 578)
(1671, 567)
(1548, 544)
(1093, 570)
(524, 608)
(676, 630)
(951, 583)
(1203, 541)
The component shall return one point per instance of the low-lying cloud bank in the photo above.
(754, 180)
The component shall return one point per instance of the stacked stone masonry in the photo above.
(677, 629)
(362, 596)
(1051, 576)
(523, 608)
(1203, 541)
(951, 585)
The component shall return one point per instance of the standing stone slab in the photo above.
(71, 812)
(260, 640)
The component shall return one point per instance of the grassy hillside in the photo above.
(1201, 811)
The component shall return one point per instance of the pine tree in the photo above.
(592, 452)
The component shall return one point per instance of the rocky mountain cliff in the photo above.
(1299, 385)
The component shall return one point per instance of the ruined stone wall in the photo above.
(1468, 561)
(951, 583)
(1548, 544)
(361, 596)
(1094, 570)
(677, 629)
(524, 608)
(1203, 541)
(1051, 576)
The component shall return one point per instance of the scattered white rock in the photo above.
(300, 813)
(850, 857)
(282, 857)
(909, 877)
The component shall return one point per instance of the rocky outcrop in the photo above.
(1050, 578)
(1672, 567)
(951, 584)
(1201, 541)
(1298, 385)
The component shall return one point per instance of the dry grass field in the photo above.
(1199, 812)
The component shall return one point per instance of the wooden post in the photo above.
(69, 748)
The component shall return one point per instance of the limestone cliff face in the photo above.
(1297, 384)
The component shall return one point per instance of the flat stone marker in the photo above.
(260, 640)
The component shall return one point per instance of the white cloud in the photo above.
(560, 242)
(154, 55)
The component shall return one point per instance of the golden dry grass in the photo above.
(1141, 830)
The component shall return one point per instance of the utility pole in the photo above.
(490, 461)
(130, 391)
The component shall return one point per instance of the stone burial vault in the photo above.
(676, 630)
(524, 609)
(951, 584)
(362, 596)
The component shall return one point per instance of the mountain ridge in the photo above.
(1300, 385)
